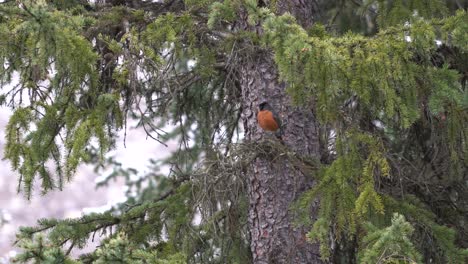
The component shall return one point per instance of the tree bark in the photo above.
(273, 181)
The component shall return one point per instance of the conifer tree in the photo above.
(371, 167)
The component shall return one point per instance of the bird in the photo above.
(268, 120)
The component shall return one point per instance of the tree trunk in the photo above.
(273, 182)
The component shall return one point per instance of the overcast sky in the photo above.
(78, 196)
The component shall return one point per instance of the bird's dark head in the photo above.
(263, 106)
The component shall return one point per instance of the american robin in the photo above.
(268, 119)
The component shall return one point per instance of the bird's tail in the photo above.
(279, 134)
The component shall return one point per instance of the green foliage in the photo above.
(85, 69)
(380, 71)
(428, 228)
(165, 232)
(225, 10)
(198, 3)
(391, 244)
(455, 29)
(39, 251)
(58, 56)
(355, 81)
(120, 250)
(347, 189)
(398, 12)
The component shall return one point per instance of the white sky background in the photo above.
(79, 195)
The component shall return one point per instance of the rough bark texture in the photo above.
(273, 182)
(303, 10)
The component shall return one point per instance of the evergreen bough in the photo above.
(390, 95)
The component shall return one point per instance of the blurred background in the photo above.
(78, 197)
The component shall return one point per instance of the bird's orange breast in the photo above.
(267, 121)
